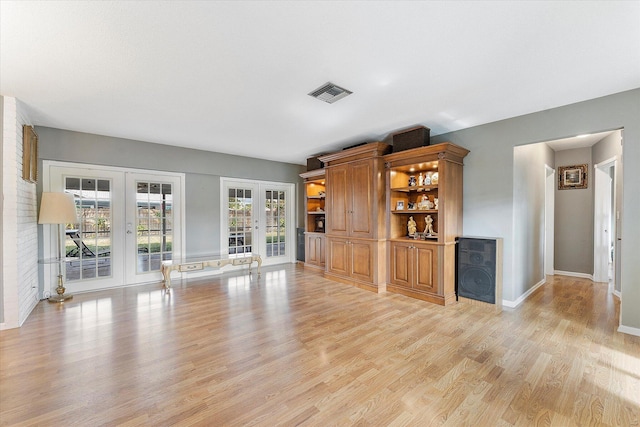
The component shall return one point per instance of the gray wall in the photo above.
(574, 218)
(488, 178)
(529, 175)
(611, 147)
(202, 170)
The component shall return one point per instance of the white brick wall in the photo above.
(20, 231)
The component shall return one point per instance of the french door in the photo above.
(258, 218)
(128, 223)
(154, 218)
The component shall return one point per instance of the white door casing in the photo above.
(549, 221)
(604, 233)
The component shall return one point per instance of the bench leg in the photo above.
(166, 273)
(259, 261)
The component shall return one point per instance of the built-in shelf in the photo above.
(414, 211)
(416, 188)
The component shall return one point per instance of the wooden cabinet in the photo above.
(350, 199)
(424, 186)
(352, 259)
(315, 249)
(415, 266)
(355, 229)
(315, 217)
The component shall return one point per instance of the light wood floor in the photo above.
(291, 348)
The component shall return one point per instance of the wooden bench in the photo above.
(200, 264)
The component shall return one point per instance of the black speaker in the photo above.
(314, 163)
(411, 138)
(478, 268)
(300, 244)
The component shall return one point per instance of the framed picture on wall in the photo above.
(572, 177)
(29, 154)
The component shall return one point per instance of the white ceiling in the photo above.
(233, 77)
(579, 141)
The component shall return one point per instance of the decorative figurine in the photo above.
(412, 227)
(412, 181)
(427, 179)
(424, 202)
(428, 230)
(435, 201)
(420, 179)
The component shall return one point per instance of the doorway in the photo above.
(258, 218)
(129, 221)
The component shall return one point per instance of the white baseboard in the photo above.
(629, 330)
(514, 304)
(573, 274)
(617, 294)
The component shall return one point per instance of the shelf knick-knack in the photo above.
(428, 230)
(411, 227)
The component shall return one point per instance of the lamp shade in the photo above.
(57, 208)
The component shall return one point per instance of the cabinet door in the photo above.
(337, 200)
(338, 256)
(362, 260)
(320, 250)
(361, 181)
(401, 264)
(426, 268)
(312, 250)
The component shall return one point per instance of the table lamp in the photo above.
(60, 209)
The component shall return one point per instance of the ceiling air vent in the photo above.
(330, 93)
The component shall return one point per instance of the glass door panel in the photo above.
(240, 220)
(151, 214)
(275, 210)
(154, 235)
(88, 243)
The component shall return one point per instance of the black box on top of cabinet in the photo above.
(419, 136)
(314, 163)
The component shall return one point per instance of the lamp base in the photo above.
(60, 298)
(60, 295)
